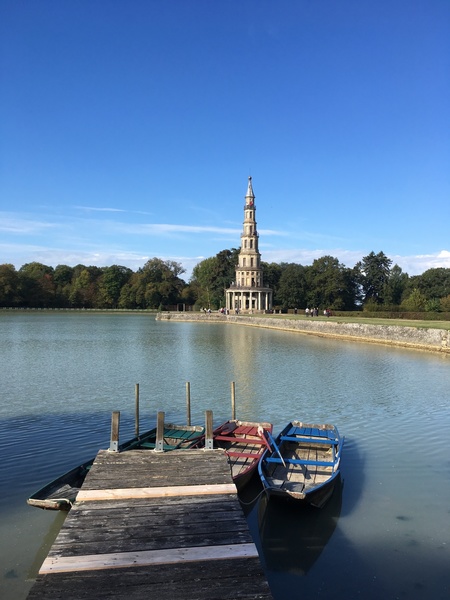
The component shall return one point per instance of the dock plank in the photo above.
(188, 543)
(90, 562)
(227, 581)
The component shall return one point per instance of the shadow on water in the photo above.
(293, 537)
(353, 472)
(47, 543)
(289, 537)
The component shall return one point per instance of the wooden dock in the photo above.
(154, 525)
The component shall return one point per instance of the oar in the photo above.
(272, 441)
(262, 435)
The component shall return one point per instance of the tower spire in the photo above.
(250, 196)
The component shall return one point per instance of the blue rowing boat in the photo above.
(303, 463)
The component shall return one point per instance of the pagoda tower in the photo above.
(247, 293)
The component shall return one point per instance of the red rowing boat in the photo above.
(244, 442)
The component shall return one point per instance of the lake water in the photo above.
(386, 531)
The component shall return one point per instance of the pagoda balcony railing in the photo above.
(245, 288)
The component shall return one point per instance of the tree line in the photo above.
(373, 284)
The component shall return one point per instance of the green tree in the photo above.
(9, 286)
(445, 304)
(374, 273)
(36, 285)
(127, 297)
(156, 283)
(395, 286)
(111, 283)
(226, 268)
(203, 279)
(189, 295)
(80, 293)
(434, 283)
(415, 302)
(272, 274)
(330, 284)
(292, 288)
(433, 305)
(84, 288)
(212, 276)
(62, 278)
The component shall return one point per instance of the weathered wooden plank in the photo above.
(61, 564)
(144, 468)
(121, 544)
(149, 532)
(211, 580)
(163, 538)
(153, 525)
(95, 512)
(154, 516)
(155, 492)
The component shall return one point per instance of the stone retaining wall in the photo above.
(437, 340)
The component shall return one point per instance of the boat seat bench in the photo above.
(181, 435)
(289, 438)
(298, 461)
(243, 454)
(226, 438)
(152, 445)
(308, 431)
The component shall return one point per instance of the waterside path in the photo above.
(430, 339)
(154, 525)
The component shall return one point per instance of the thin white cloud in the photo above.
(99, 209)
(168, 229)
(111, 210)
(171, 228)
(22, 225)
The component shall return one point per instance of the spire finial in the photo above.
(250, 196)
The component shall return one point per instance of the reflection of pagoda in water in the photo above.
(247, 293)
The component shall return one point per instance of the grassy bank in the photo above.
(367, 321)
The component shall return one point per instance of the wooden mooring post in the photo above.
(209, 443)
(114, 441)
(233, 400)
(136, 411)
(159, 445)
(188, 402)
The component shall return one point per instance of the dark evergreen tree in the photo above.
(395, 286)
(374, 271)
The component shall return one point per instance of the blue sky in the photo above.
(128, 130)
